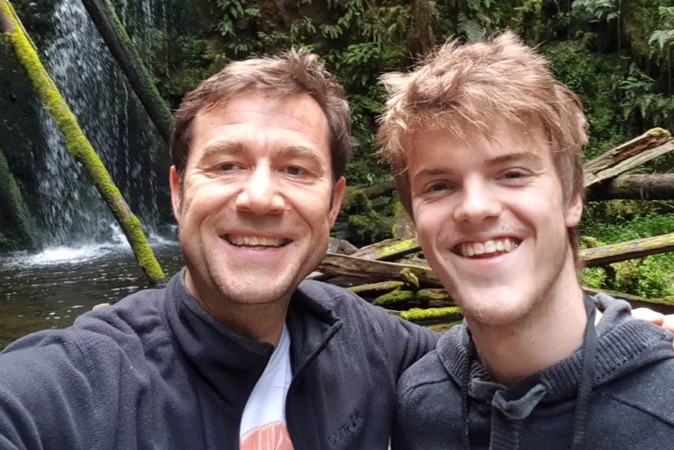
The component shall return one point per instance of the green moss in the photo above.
(445, 314)
(442, 327)
(421, 296)
(394, 297)
(374, 287)
(395, 249)
(658, 132)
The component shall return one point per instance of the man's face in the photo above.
(492, 223)
(257, 200)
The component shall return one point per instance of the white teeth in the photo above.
(490, 246)
(255, 241)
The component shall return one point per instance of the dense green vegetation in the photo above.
(617, 55)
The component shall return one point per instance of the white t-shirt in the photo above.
(263, 424)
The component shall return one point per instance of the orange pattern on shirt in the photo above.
(270, 436)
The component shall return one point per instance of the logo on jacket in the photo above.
(349, 428)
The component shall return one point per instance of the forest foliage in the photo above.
(616, 54)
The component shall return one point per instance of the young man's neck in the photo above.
(548, 335)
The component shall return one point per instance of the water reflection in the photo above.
(50, 289)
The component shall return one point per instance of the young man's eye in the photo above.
(514, 174)
(438, 186)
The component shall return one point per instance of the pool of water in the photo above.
(51, 288)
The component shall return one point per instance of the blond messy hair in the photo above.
(465, 89)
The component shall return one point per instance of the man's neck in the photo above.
(548, 335)
(261, 322)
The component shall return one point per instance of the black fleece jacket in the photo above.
(156, 371)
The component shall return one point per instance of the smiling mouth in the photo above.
(255, 241)
(492, 247)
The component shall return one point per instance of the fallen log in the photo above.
(334, 264)
(447, 316)
(388, 249)
(363, 265)
(651, 144)
(638, 248)
(634, 187)
(400, 298)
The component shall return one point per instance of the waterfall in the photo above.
(71, 209)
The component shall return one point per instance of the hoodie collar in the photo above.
(517, 403)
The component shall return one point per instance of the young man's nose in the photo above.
(476, 203)
(260, 193)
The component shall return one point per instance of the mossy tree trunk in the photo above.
(77, 145)
(121, 47)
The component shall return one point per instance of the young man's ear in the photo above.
(176, 193)
(574, 211)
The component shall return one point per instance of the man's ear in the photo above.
(176, 193)
(337, 196)
(574, 211)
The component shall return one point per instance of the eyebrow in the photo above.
(515, 157)
(298, 151)
(219, 147)
(236, 148)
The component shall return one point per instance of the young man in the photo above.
(235, 353)
(485, 146)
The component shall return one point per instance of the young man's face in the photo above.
(257, 201)
(492, 222)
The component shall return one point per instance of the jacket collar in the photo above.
(231, 363)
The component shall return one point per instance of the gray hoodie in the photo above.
(616, 391)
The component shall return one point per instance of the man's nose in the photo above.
(477, 202)
(260, 193)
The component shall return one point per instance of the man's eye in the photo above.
(228, 167)
(294, 170)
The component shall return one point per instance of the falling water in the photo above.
(89, 79)
(84, 259)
